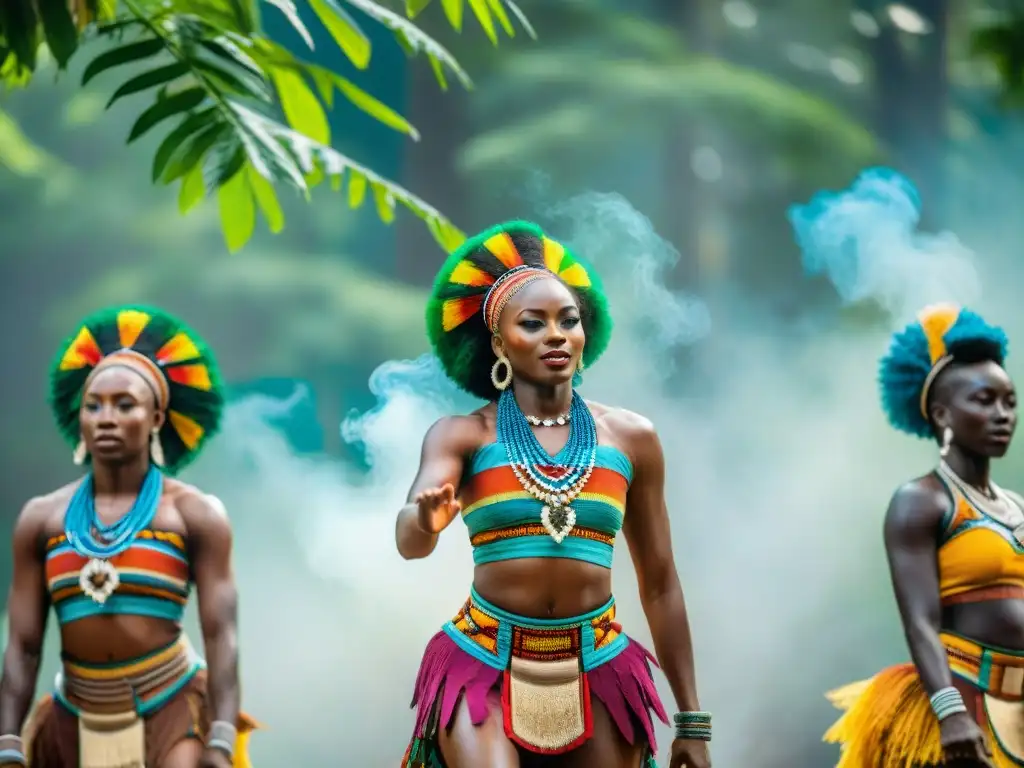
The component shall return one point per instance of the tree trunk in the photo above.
(912, 84)
(429, 169)
(681, 195)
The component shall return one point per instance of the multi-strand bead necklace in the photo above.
(533, 466)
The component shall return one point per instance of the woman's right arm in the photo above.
(27, 605)
(912, 528)
(442, 459)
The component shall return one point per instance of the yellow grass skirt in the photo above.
(888, 720)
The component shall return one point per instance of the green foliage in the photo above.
(248, 116)
(1001, 44)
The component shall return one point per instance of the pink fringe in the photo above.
(624, 686)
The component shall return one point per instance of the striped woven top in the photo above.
(153, 579)
(504, 520)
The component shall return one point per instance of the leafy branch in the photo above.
(251, 115)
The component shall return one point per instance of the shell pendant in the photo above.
(98, 579)
(558, 521)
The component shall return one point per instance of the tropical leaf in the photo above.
(59, 29)
(207, 66)
(414, 40)
(274, 153)
(488, 12)
(346, 32)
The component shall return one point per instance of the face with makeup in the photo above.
(541, 334)
(118, 415)
(978, 402)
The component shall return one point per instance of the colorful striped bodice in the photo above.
(153, 579)
(979, 557)
(504, 521)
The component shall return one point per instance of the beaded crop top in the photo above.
(980, 558)
(152, 579)
(503, 518)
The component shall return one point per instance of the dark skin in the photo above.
(978, 403)
(118, 414)
(541, 318)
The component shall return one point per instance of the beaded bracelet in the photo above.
(222, 736)
(693, 725)
(12, 749)
(946, 702)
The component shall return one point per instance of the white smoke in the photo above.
(866, 241)
(776, 485)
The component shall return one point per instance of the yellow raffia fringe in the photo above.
(887, 723)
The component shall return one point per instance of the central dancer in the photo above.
(534, 665)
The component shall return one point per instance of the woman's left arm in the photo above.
(210, 536)
(648, 535)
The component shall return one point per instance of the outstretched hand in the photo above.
(689, 753)
(436, 507)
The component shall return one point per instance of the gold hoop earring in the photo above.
(502, 383)
(81, 453)
(947, 441)
(156, 448)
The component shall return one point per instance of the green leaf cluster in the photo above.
(244, 116)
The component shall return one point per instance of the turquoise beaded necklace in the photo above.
(528, 460)
(91, 538)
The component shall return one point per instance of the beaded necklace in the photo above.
(528, 459)
(99, 542)
(999, 506)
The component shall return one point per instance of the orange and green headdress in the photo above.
(477, 280)
(169, 355)
(942, 334)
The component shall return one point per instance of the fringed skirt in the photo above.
(546, 672)
(889, 723)
(135, 713)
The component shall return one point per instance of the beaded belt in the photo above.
(141, 685)
(537, 529)
(999, 673)
(545, 694)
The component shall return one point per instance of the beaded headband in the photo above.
(140, 364)
(936, 321)
(507, 286)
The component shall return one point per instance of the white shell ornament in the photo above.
(558, 521)
(98, 579)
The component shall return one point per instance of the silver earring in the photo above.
(503, 382)
(947, 441)
(81, 453)
(156, 449)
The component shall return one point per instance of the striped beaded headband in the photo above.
(507, 286)
(142, 365)
(936, 321)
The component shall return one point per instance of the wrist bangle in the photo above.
(946, 702)
(694, 726)
(12, 749)
(222, 736)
